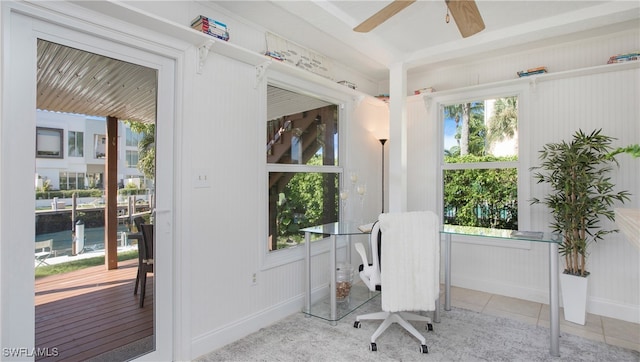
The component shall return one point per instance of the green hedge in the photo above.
(65, 194)
(130, 191)
(481, 197)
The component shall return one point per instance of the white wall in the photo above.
(245, 34)
(226, 229)
(221, 229)
(552, 109)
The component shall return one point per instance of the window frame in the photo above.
(102, 139)
(60, 133)
(343, 100)
(441, 99)
(77, 145)
(128, 155)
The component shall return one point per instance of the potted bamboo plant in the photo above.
(582, 194)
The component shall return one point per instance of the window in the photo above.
(302, 158)
(76, 147)
(72, 181)
(480, 168)
(94, 180)
(132, 159)
(133, 138)
(48, 142)
(100, 146)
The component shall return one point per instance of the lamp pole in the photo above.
(382, 141)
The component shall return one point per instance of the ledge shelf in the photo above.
(534, 79)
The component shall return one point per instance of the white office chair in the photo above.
(410, 247)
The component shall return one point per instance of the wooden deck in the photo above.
(85, 313)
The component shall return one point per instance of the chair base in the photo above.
(402, 319)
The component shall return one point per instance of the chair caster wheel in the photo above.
(429, 327)
(356, 324)
(424, 349)
(373, 347)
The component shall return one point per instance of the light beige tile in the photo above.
(593, 323)
(622, 343)
(622, 330)
(469, 299)
(499, 303)
(597, 328)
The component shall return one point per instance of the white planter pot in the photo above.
(574, 297)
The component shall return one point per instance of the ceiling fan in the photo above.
(464, 12)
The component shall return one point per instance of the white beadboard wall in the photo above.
(559, 58)
(242, 33)
(557, 107)
(225, 224)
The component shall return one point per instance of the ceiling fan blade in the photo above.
(467, 16)
(382, 15)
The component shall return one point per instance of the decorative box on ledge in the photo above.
(348, 84)
(532, 71)
(211, 27)
(627, 57)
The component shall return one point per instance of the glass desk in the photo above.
(329, 309)
(551, 239)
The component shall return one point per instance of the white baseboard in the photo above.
(501, 288)
(223, 335)
(612, 309)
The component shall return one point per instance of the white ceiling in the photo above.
(419, 35)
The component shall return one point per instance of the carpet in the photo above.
(462, 335)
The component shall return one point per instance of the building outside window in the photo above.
(76, 144)
(72, 180)
(480, 168)
(100, 146)
(133, 138)
(131, 159)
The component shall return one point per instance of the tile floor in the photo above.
(604, 329)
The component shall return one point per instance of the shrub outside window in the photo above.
(480, 169)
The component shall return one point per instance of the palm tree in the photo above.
(462, 113)
(504, 121)
(146, 147)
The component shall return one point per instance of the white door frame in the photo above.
(21, 26)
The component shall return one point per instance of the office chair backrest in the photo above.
(411, 249)
(370, 272)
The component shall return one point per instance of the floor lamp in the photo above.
(382, 141)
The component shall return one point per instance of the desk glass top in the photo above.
(501, 233)
(336, 228)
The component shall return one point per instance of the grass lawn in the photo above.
(80, 264)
